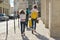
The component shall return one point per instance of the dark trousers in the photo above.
(34, 24)
(27, 20)
(22, 27)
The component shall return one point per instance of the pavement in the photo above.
(42, 33)
(3, 25)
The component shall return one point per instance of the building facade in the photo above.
(11, 10)
(20, 4)
(5, 6)
(23, 4)
(50, 14)
(30, 3)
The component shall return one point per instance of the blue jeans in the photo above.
(34, 24)
(22, 27)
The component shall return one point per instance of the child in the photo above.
(22, 20)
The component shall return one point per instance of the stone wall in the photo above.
(50, 15)
(55, 18)
(5, 6)
(23, 4)
(45, 12)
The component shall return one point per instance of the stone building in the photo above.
(50, 14)
(11, 10)
(20, 4)
(32, 2)
(5, 6)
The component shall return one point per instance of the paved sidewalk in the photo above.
(42, 34)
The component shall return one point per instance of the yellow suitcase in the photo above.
(29, 23)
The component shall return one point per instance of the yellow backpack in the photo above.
(34, 15)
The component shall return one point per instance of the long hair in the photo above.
(22, 12)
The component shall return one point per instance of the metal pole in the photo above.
(14, 15)
(6, 30)
(18, 18)
(14, 26)
(6, 23)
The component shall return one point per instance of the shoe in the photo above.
(22, 34)
(32, 32)
(35, 31)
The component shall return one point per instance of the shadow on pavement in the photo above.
(56, 38)
(41, 37)
(25, 38)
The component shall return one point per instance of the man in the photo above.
(27, 16)
(34, 16)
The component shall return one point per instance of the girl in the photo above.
(22, 20)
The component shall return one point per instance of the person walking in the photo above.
(22, 20)
(27, 16)
(34, 16)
